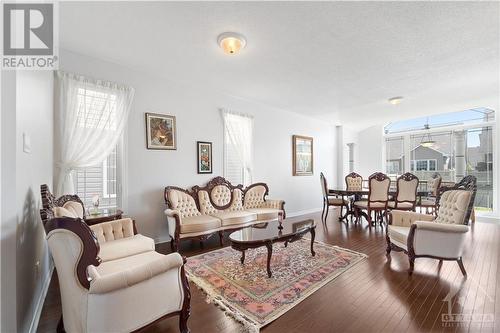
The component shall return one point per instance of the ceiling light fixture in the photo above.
(427, 139)
(231, 42)
(395, 100)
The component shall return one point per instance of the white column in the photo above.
(459, 149)
(340, 156)
(350, 147)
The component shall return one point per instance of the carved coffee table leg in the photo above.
(269, 246)
(242, 257)
(313, 235)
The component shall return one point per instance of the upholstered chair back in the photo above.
(69, 209)
(407, 185)
(324, 185)
(64, 206)
(354, 182)
(255, 195)
(113, 230)
(379, 185)
(220, 195)
(453, 207)
(181, 201)
(434, 185)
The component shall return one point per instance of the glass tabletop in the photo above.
(104, 212)
(271, 230)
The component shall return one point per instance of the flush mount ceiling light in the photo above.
(395, 100)
(231, 42)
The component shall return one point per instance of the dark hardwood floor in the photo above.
(376, 295)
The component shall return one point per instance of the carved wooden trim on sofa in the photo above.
(217, 181)
(49, 201)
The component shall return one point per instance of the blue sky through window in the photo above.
(476, 115)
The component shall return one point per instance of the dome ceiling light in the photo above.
(231, 42)
(395, 100)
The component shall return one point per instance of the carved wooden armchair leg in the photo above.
(186, 305)
(60, 326)
(323, 212)
(221, 238)
(461, 265)
(369, 217)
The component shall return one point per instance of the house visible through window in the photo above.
(102, 179)
(238, 148)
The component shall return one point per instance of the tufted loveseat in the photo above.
(218, 206)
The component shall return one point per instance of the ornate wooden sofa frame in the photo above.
(218, 206)
(89, 260)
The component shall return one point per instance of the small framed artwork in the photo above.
(204, 156)
(302, 155)
(160, 131)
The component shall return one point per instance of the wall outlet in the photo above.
(26, 143)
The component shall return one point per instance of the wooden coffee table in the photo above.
(266, 234)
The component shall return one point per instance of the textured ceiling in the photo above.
(339, 61)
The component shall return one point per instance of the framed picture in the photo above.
(204, 156)
(302, 155)
(160, 131)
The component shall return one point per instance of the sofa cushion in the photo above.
(398, 234)
(124, 247)
(235, 217)
(199, 223)
(402, 205)
(265, 213)
(182, 202)
(364, 204)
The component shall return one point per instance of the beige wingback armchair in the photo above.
(119, 295)
(441, 237)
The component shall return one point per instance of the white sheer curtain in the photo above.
(90, 118)
(239, 132)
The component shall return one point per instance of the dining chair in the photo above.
(354, 182)
(378, 197)
(406, 193)
(329, 200)
(429, 203)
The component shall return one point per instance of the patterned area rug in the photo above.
(248, 295)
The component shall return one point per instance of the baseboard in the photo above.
(303, 212)
(41, 299)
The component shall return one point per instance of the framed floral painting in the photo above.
(302, 155)
(204, 156)
(160, 131)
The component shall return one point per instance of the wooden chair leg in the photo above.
(60, 326)
(369, 214)
(323, 212)
(461, 265)
(341, 212)
(412, 265)
(221, 238)
(326, 213)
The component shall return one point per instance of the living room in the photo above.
(240, 131)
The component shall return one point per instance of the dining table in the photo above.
(358, 194)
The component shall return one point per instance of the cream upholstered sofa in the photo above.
(218, 206)
(441, 237)
(122, 294)
(117, 238)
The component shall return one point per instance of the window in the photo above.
(423, 165)
(454, 137)
(238, 147)
(95, 109)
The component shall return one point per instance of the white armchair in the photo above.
(120, 295)
(422, 235)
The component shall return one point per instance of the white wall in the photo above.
(34, 117)
(370, 151)
(27, 107)
(198, 119)
(8, 222)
